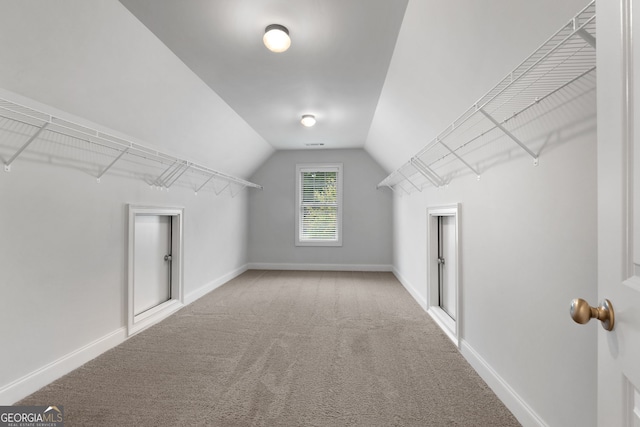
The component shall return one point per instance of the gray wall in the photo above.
(367, 216)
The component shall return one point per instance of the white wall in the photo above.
(62, 235)
(528, 246)
(367, 237)
(528, 234)
(63, 260)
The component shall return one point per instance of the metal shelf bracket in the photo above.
(160, 180)
(178, 173)
(7, 165)
(510, 135)
(111, 164)
(460, 158)
(234, 194)
(204, 183)
(410, 182)
(586, 36)
(427, 172)
(222, 189)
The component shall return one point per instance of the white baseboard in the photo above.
(444, 322)
(446, 327)
(203, 290)
(518, 407)
(411, 289)
(318, 267)
(22, 387)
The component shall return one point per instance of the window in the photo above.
(319, 205)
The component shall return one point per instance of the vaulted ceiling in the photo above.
(335, 68)
(193, 78)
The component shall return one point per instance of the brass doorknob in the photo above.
(582, 312)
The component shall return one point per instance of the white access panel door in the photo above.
(618, 62)
(448, 265)
(152, 272)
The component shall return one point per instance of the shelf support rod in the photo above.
(460, 158)
(169, 178)
(510, 135)
(410, 182)
(242, 187)
(427, 172)
(180, 174)
(222, 189)
(586, 35)
(7, 165)
(205, 183)
(112, 163)
(160, 180)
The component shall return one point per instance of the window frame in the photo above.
(319, 167)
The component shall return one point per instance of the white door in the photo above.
(618, 62)
(152, 265)
(447, 263)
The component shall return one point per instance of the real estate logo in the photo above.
(31, 416)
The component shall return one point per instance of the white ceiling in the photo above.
(335, 68)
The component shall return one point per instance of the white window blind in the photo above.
(319, 200)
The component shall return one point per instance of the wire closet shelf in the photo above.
(46, 138)
(560, 72)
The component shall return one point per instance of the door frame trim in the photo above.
(136, 323)
(443, 320)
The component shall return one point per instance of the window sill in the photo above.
(319, 243)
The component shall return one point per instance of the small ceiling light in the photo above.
(308, 120)
(276, 38)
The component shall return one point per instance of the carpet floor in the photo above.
(284, 348)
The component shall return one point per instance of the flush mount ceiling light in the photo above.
(276, 38)
(308, 120)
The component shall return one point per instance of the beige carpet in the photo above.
(284, 348)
